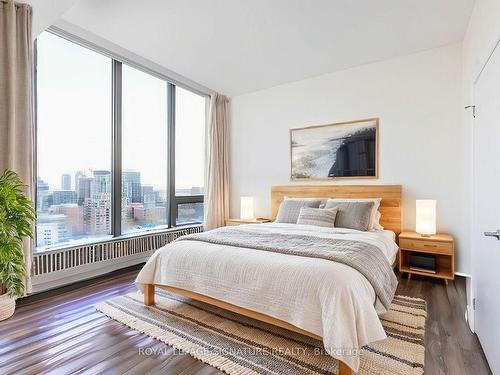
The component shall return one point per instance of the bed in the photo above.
(335, 302)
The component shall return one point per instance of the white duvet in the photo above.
(329, 299)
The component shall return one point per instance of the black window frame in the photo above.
(116, 140)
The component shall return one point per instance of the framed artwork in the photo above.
(340, 150)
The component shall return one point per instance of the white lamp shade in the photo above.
(426, 217)
(246, 208)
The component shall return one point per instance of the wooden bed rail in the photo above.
(149, 300)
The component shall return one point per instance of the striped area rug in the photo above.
(239, 345)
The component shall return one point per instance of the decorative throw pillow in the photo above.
(320, 217)
(352, 215)
(289, 210)
(375, 215)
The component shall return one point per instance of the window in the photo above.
(190, 110)
(74, 143)
(144, 150)
(190, 117)
(102, 175)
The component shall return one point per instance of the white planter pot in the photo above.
(7, 306)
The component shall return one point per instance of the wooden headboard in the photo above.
(390, 206)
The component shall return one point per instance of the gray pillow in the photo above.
(352, 215)
(290, 209)
(320, 217)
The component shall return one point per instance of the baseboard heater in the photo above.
(58, 267)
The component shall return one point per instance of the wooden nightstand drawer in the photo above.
(434, 247)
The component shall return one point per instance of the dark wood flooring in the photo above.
(60, 332)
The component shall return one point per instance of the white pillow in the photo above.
(376, 224)
(375, 214)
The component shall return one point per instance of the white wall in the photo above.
(423, 145)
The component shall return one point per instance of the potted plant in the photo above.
(17, 216)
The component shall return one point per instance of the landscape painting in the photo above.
(341, 150)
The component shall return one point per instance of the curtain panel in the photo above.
(16, 101)
(217, 168)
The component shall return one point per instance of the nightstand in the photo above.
(441, 245)
(260, 220)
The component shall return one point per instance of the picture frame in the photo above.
(341, 150)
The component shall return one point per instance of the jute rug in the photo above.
(239, 345)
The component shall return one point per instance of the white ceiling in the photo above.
(46, 12)
(239, 46)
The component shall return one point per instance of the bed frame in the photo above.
(391, 217)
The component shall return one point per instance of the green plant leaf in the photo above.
(17, 216)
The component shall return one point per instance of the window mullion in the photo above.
(116, 209)
(172, 204)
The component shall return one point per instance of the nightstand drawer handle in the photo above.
(493, 234)
(427, 245)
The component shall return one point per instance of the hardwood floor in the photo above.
(450, 347)
(60, 332)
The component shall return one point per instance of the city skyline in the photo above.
(83, 212)
(89, 174)
(58, 184)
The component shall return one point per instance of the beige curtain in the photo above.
(217, 170)
(16, 100)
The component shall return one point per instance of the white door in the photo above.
(486, 180)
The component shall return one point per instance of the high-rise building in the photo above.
(102, 182)
(66, 182)
(97, 214)
(131, 186)
(148, 195)
(51, 229)
(42, 195)
(77, 178)
(127, 212)
(74, 218)
(162, 196)
(63, 197)
(138, 212)
(84, 189)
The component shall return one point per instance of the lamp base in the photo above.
(426, 235)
